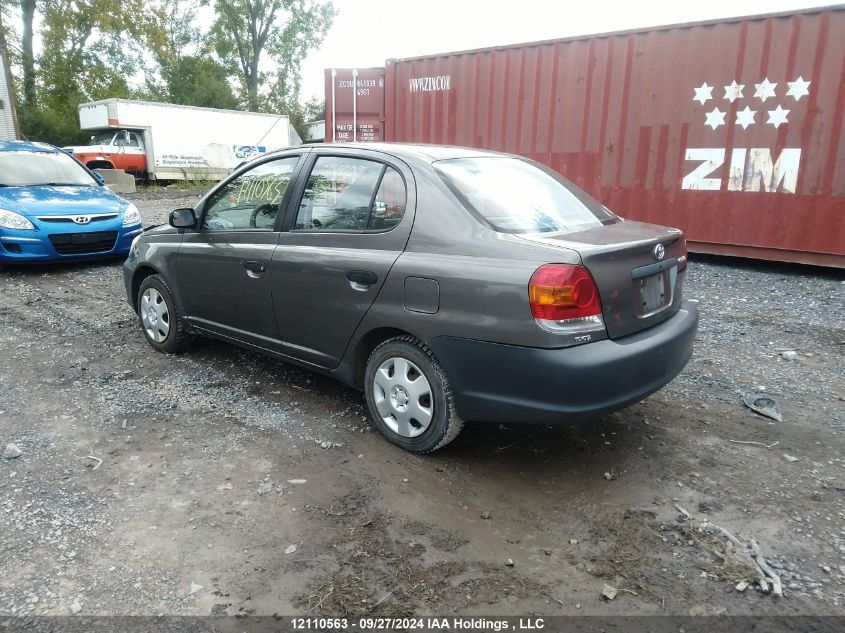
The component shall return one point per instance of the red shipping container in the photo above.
(354, 105)
(730, 129)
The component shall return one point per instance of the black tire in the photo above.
(444, 425)
(177, 337)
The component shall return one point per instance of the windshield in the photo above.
(21, 169)
(102, 138)
(518, 196)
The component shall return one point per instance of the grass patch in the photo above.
(183, 185)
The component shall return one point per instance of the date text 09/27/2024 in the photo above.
(419, 623)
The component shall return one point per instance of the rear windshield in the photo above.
(22, 169)
(517, 196)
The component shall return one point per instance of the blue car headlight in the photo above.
(131, 216)
(12, 220)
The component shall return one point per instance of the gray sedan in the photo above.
(448, 284)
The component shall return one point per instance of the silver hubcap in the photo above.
(403, 397)
(154, 315)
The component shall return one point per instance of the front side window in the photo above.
(24, 169)
(351, 194)
(252, 200)
(516, 196)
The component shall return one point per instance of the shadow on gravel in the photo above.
(566, 451)
(522, 446)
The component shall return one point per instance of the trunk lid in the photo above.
(638, 289)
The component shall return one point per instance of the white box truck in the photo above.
(163, 141)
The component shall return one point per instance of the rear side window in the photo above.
(516, 196)
(389, 205)
(351, 194)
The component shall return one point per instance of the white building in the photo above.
(8, 121)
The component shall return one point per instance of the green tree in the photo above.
(301, 115)
(198, 81)
(88, 49)
(27, 55)
(19, 48)
(186, 73)
(172, 32)
(284, 31)
(315, 109)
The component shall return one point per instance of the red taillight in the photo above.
(563, 291)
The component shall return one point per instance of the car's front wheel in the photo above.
(164, 328)
(409, 396)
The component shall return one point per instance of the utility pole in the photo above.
(7, 95)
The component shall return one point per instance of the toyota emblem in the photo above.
(82, 219)
(659, 252)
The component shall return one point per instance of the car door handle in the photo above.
(362, 277)
(254, 267)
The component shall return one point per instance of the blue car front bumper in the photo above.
(67, 241)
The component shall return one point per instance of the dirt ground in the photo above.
(222, 482)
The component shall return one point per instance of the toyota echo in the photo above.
(448, 284)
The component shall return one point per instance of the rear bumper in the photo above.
(504, 383)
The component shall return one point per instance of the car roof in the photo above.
(427, 153)
(28, 146)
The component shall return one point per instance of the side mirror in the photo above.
(183, 219)
(99, 178)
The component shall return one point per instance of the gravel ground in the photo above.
(222, 482)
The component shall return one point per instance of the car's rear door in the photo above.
(224, 265)
(346, 226)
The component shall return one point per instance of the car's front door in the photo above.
(224, 265)
(351, 223)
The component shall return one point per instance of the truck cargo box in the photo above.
(175, 142)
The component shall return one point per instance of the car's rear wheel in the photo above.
(164, 328)
(409, 396)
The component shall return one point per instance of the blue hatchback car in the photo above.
(53, 208)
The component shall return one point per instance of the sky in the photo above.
(367, 32)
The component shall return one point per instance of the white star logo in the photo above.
(734, 91)
(798, 88)
(745, 117)
(777, 116)
(765, 89)
(715, 118)
(703, 93)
